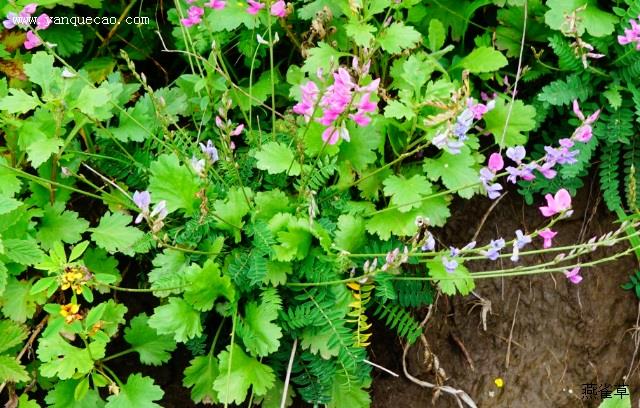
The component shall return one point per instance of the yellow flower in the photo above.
(70, 312)
(499, 382)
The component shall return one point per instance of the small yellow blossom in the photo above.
(499, 382)
(70, 312)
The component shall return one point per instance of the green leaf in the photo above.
(317, 342)
(613, 96)
(436, 35)
(617, 400)
(11, 370)
(58, 224)
(238, 373)
(138, 392)
(91, 100)
(398, 110)
(459, 281)
(232, 16)
(40, 70)
(323, 56)
(18, 304)
(114, 235)
(61, 359)
(169, 271)
(200, 375)
(68, 41)
(206, 284)
(406, 193)
(346, 394)
(12, 334)
(596, 22)
(61, 396)
(9, 181)
(110, 314)
(18, 101)
(261, 336)
(177, 318)
(276, 157)
(25, 402)
(23, 251)
(231, 211)
(135, 123)
(522, 119)
(483, 59)
(8, 204)
(350, 234)
(360, 32)
(455, 171)
(153, 348)
(398, 37)
(360, 151)
(38, 144)
(174, 183)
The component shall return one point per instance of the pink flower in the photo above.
(331, 135)
(573, 275)
(309, 99)
(195, 14)
(216, 4)
(254, 6)
(43, 22)
(495, 162)
(365, 104)
(32, 41)
(547, 170)
(631, 35)
(360, 118)
(556, 204)
(237, 130)
(279, 9)
(583, 133)
(30, 8)
(547, 235)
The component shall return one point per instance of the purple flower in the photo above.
(516, 153)
(522, 239)
(449, 265)
(160, 210)
(493, 190)
(453, 252)
(547, 170)
(556, 204)
(210, 151)
(429, 242)
(494, 249)
(573, 275)
(195, 14)
(10, 21)
(142, 199)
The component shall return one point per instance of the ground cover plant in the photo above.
(271, 177)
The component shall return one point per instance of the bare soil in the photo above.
(563, 335)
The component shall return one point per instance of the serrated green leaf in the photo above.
(259, 333)
(360, 32)
(522, 119)
(350, 234)
(483, 59)
(323, 56)
(114, 234)
(231, 211)
(455, 171)
(232, 16)
(344, 394)
(8, 204)
(276, 157)
(18, 101)
(11, 370)
(240, 372)
(177, 318)
(406, 193)
(12, 334)
(206, 284)
(200, 374)
(169, 271)
(360, 151)
(23, 251)
(153, 348)
(138, 392)
(398, 37)
(18, 304)
(459, 281)
(317, 342)
(398, 110)
(61, 359)
(58, 224)
(595, 21)
(174, 183)
(68, 41)
(9, 181)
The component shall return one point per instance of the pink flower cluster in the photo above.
(337, 103)
(195, 13)
(631, 35)
(22, 19)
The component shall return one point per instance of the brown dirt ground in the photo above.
(564, 335)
